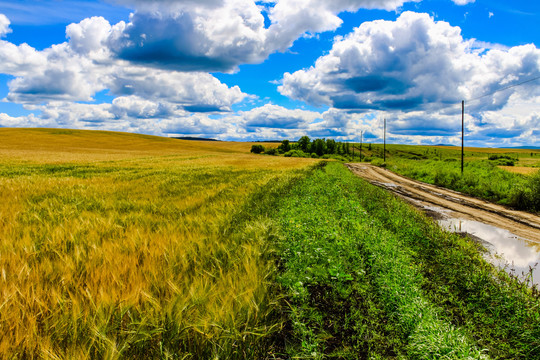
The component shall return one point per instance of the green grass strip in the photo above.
(502, 314)
(355, 290)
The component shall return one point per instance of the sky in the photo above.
(248, 70)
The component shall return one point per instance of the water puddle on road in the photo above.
(519, 256)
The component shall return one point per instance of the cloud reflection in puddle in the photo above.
(518, 253)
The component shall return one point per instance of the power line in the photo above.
(505, 88)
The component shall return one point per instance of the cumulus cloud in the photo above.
(277, 117)
(220, 35)
(195, 92)
(293, 18)
(192, 37)
(76, 70)
(92, 35)
(4, 25)
(199, 125)
(20, 121)
(411, 64)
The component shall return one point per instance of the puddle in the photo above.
(517, 254)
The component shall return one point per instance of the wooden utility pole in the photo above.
(384, 147)
(462, 132)
(361, 133)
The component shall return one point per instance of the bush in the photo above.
(527, 197)
(504, 162)
(334, 157)
(257, 149)
(497, 157)
(378, 162)
(272, 151)
(296, 153)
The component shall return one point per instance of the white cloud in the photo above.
(190, 36)
(199, 125)
(292, 18)
(277, 117)
(4, 25)
(220, 35)
(411, 64)
(20, 121)
(463, 2)
(139, 108)
(76, 70)
(91, 35)
(19, 60)
(196, 92)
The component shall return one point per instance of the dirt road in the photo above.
(423, 195)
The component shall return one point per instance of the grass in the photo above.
(126, 246)
(482, 177)
(369, 277)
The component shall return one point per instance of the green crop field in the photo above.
(123, 246)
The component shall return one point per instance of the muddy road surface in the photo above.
(456, 205)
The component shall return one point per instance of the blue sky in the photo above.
(259, 70)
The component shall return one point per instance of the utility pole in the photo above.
(462, 132)
(361, 133)
(353, 150)
(384, 147)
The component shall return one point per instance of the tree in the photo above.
(339, 148)
(257, 149)
(319, 147)
(285, 146)
(330, 146)
(304, 143)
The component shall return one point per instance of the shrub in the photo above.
(295, 153)
(378, 162)
(497, 157)
(257, 149)
(334, 157)
(504, 162)
(272, 151)
(527, 197)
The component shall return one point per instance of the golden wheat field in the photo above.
(117, 245)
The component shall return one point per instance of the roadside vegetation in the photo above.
(368, 277)
(486, 172)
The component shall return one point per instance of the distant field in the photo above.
(119, 245)
(524, 170)
(59, 145)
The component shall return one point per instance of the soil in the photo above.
(455, 204)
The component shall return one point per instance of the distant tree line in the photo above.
(305, 147)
